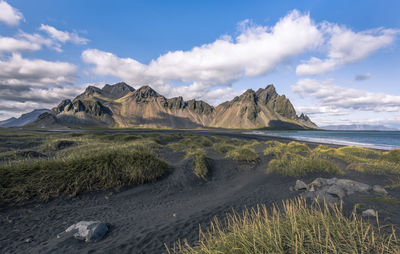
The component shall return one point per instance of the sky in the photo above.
(337, 61)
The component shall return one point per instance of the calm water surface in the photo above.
(386, 140)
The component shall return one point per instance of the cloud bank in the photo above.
(256, 51)
(343, 100)
(9, 15)
(345, 46)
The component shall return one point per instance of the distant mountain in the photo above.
(122, 106)
(358, 127)
(24, 119)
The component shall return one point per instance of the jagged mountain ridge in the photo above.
(24, 119)
(122, 106)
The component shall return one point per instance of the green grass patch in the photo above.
(201, 165)
(391, 156)
(296, 159)
(295, 165)
(44, 179)
(242, 153)
(295, 228)
(223, 147)
(388, 201)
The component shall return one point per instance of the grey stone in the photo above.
(350, 186)
(379, 189)
(300, 185)
(332, 190)
(331, 181)
(369, 213)
(336, 191)
(90, 231)
(319, 182)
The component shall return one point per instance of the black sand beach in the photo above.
(146, 218)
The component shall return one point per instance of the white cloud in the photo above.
(19, 71)
(9, 15)
(29, 42)
(257, 50)
(9, 44)
(325, 110)
(63, 36)
(346, 99)
(345, 46)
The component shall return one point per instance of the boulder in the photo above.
(369, 213)
(300, 185)
(351, 186)
(379, 189)
(333, 190)
(336, 191)
(89, 231)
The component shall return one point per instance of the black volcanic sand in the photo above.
(143, 218)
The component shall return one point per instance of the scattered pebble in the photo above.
(90, 231)
(379, 189)
(300, 185)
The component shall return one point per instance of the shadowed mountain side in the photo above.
(122, 106)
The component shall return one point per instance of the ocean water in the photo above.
(385, 140)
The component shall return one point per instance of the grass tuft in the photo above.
(295, 165)
(201, 165)
(295, 228)
(223, 147)
(44, 179)
(242, 153)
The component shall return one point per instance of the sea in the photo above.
(385, 140)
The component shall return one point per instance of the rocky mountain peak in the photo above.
(145, 92)
(267, 94)
(303, 117)
(117, 90)
(249, 95)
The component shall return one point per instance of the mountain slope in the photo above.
(122, 106)
(24, 119)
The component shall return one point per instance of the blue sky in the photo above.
(337, 61)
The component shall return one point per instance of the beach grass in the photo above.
(99, 170)
(295, 165)
(201, 167)
(296, 159)
(242, 153)
(297, 227)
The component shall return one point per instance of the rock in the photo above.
(369, 213)
(90, 231)
(336, 191)
(319, 182)
(332, 190)
(379, 189)
(300, 185)
(351, 186)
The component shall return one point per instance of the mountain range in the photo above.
(120, 105)
(24, 119)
